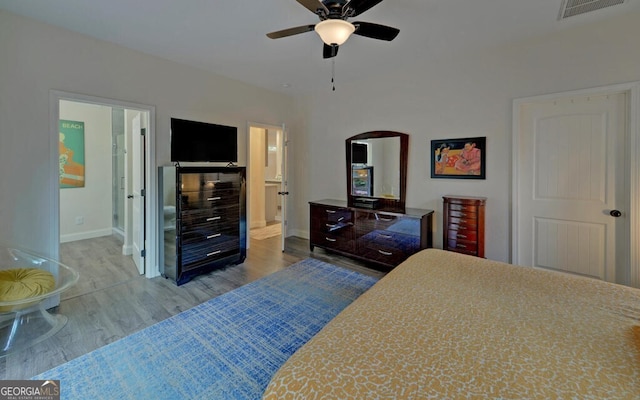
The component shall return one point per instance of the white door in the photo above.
(137, 191)
(570, 205)
(284, 186)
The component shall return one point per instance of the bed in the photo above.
(447, 325)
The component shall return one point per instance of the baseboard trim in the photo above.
(127, 250)
(72, 237)
(299, 233)
(258, 224)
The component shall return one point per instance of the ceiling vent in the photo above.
(576, 7)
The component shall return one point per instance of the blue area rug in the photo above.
(226, 348)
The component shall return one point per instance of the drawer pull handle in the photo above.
(463, 214)
(214, 218)
(385, 236)
(330, 239)
(331, 225)
(340, 219)
(330, 211)
(461, 246)
(213, 253)
(214, 236)
(462, 236)
(385, 253)
(213, 198)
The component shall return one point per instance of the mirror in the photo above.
(374, 163)
(377, 170)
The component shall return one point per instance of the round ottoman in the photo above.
(23, 283)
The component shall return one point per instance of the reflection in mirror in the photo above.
(377, 170)
(273, 160)
(375, 166)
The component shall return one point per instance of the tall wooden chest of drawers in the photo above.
(203, 221)
(463, 220)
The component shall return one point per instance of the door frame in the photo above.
(632, 167)
(139, 258)
(150, 225)
(283, 185)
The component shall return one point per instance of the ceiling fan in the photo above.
(333, 28)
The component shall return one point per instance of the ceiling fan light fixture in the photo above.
(334, 31)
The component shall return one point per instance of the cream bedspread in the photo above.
(448, 326)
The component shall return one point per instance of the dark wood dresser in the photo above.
(463, 220)
(380, 237)
(208, 228)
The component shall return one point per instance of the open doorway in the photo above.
(104, 164)
(267, 183)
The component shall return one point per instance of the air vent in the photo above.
(576, 7)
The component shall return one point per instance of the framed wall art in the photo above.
(459, 158)
(71, 151)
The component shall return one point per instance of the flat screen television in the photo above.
(358, 153)
(193, 141)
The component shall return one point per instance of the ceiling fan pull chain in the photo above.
(333, 73)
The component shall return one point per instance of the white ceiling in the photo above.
(228, 37)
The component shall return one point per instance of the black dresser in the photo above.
(382, 238)
(202, 219)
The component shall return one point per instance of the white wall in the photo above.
(463, 96)
(94, 201)
(37, 58)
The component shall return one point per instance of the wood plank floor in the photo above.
(111, 300)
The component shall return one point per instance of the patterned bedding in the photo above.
(445, 325)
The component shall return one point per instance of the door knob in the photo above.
(131, 197)
(615, 213)
(283, 193)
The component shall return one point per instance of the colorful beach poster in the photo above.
(71, 151)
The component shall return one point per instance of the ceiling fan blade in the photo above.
(313, 5)
(360, 6)
(329, 51)
(375, 31)
(290, 31)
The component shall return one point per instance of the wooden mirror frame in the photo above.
(384, 204)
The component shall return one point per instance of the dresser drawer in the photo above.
(469, 235)
(211, 228)
(463, 207)
(463, 246)
(330, 219)
(341, 241)
(216, 210)
(387, 247)
(210, 220)
(463, 224)
(199, 250)
(209, 199)
(367, 221)
(204, 181)
(466, 215)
